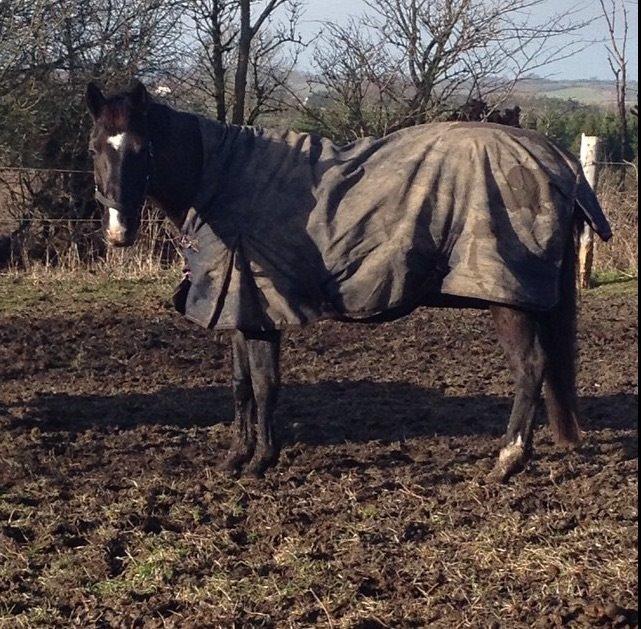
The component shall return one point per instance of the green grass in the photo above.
(20, 292)
(581, 94)
(42, 292)
(614, 282)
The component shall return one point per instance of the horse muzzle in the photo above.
(117, 232)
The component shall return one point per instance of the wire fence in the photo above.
(30, 235)
(626, 164)
(44, 219)
(49, 218)
(72, 245)
(35, 169)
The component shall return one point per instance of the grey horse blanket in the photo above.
(288, 228)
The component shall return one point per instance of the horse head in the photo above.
(122, 158)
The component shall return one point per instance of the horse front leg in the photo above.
(264, 358)
(518, 334)
(244, 434)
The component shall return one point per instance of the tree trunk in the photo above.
(623, 118)
(218, 67)
(240, 80)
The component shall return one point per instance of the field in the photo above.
(590, 92)
(114, 414)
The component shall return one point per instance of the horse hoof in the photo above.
(255, 471)
(260, 464)
(501, 474)
(512, 460)
(230, 468)
(257, 468)
(571, 442)
(234, 462)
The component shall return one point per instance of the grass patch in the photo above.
(615, 282)
(601, 278)
(149, 568)
(38, 292)
(33, 292)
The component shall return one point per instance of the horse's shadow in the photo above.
(321, 413)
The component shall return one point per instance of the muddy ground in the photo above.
(114, 413)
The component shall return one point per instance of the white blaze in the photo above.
(116, 140)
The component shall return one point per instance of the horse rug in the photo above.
(288, 228)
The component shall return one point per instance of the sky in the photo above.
(590, 63)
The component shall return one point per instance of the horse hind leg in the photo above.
(517, 332)
(558, 337)
(559, 386)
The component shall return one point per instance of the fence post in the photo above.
(589, 153)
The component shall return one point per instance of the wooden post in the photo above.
(589, 153)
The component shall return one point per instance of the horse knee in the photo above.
(529, 381)
(242, 388)
(265, 390)
(528, 366)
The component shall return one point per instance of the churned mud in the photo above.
(114, 413)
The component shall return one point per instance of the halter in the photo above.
(112, 203)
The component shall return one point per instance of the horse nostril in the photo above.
(116, 229)
(115, 233)
(117, 239)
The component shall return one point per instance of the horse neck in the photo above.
(176, 162)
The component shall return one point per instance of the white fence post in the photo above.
(589, 153)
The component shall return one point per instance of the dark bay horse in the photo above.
(143, 149)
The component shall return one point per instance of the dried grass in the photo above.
(618, 194)
(62, 247)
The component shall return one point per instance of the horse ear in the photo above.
(95, 99)
(139, 96)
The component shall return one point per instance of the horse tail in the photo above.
(558, 339)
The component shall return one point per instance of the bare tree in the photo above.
(214, 27)
(273, 58)
(109, 39)
(613, 11)
(416, 59)
(359, 90)
(235, 50)
(48, 51)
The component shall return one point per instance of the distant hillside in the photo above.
(589, 91)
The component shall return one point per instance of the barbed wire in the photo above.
(623, 163)
(88, 228)
(73, 220)
(45, 170)
(90, 172)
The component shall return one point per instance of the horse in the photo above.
(143, 149)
